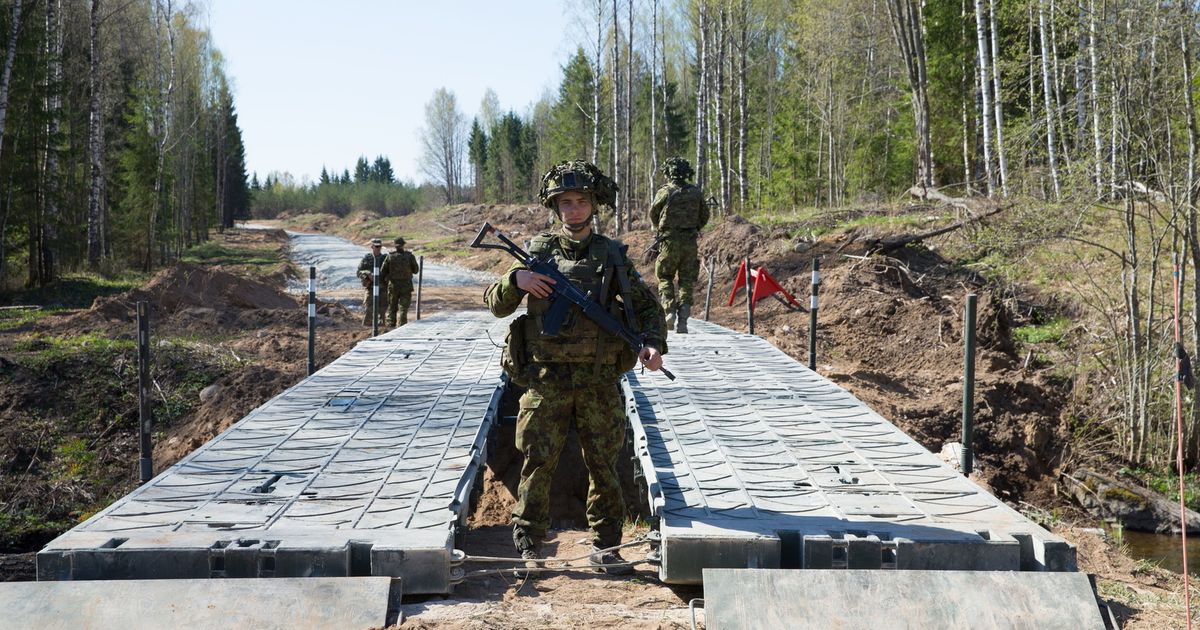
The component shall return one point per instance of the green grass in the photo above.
(16, 318)
(47, 349)
(76, 290)
(214, 253)
(1053, 331)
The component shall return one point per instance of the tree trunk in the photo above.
(982, 74)
(596, 82)
(1048, 97)
(653, 95)
(1098, 173)
(743, 188)
(10, 53)
(163, 125)
(998, 100)
(616, 111)
(95, 146)
(719, 91)
(701, 94)
(50, 215)
(627, 182)
(907, 21)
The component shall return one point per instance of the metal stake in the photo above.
(812, 315)
(968, 383)
(420, 280)
(749, 299)
(145, 415)
(708, 294)
(312, 320)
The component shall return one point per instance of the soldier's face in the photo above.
(375, 248)
(574, 207)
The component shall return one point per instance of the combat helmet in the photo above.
(398, 241)
(677, 169)
(577, 175)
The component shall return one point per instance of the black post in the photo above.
(708, 295)
(420, 281)
(375, 299)
(749, 298)
(812, 315)
(968, 383)
(145, 416)
(312, 320)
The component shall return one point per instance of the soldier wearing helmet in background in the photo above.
(367, 266)
(396, 274)
(574, 377)
(677, 215)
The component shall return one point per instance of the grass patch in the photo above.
(45, 350)
(214, 253)
(16, 318)
(74, 290)
(1053, 331)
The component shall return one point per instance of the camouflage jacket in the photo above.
(367, 265)
(580, 260)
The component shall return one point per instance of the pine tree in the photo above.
(324, 181)
(362, 171)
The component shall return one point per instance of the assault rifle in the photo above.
(565, 294)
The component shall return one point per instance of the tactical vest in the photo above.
(580, 340)
(683, 208)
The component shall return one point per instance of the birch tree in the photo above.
(1048, 97)
(908, 20)
(442, 141)
(983, 74)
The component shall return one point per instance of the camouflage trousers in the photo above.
(368, 306)
(547, 413)
(678, 256)
(399, 297)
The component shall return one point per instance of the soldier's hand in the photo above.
(650, 358)
(536, 284)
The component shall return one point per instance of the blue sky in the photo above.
(322, 82)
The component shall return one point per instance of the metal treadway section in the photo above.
(754, 461)
(366, 468)
(363, 468)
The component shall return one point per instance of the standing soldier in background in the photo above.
(366, 267)
(396, 274)
(677, 215)
(574, 377)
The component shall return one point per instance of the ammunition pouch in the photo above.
(513, 359)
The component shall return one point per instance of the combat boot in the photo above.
(685, 311)
(532, 563)
(609, 562)
(670, 318)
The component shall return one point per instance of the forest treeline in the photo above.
(120, 140)
(806, 103)
(1083, 110)
(371, 187)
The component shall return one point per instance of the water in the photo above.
(1164, 550)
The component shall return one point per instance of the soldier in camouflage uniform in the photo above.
(397, 272)
(677, 215)
(365, 268)
(574, 377)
